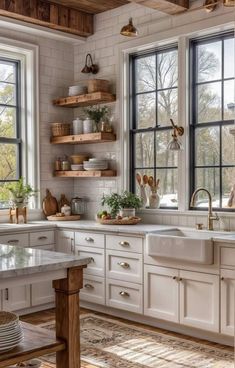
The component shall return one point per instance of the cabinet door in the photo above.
(161, 293)
(199, 300)
(65, 241)
(16, 298)
(227, 301)
(43, 292)
(97, 264)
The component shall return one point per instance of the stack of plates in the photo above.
(11, 333)
(77, 90)
(95, 164)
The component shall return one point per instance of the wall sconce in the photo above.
(175, 144)
(90, 67)
(129, 30)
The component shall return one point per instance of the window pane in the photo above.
(146, 110)
(167, 69)
(228, 145)
(8, 161)
(168, 187)
(4, 196)
(164, 157)
(144, 150)
(167, 106)
(7, 94)
(146, 74)
(228, 181)
(7, 72)
(207, 146)
(229, 106)
(229, 58)
(208, 178)
(209, 102)
(7, 122)
(209, 61)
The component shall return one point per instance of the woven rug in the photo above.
(108, 343)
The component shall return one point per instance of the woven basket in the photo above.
(131, 221)
(60, 129)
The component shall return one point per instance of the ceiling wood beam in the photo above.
(166, 6)
(49, 15)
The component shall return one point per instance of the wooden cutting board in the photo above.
(49, 204)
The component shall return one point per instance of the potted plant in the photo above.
(125, 203)
(96, 114)
(20, 192)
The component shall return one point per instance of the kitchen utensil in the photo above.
(150, 181)
(138, 178)
(49, 204)
(78, 159)
(78, 206)
(145, 179)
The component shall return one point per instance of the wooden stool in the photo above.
(18, 211)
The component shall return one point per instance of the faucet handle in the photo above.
(216, 216)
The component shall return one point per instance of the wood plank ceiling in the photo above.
(92, 6)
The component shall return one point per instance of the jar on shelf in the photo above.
(58, 164)
(66, 210)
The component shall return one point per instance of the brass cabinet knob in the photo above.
(124, 243)
(89, 286)
(90, 240)
(124, 293)
(124, 264)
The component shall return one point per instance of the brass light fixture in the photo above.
(175, 144)
(129, 30)
(90, 67)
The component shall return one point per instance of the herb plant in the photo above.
(97, 113)
(20, 191)
(117, 201)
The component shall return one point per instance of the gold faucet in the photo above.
(210, 217)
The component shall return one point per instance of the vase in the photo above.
(127, 212)
(154, 200)
(143, 195)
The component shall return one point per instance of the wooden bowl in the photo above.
(78, 159)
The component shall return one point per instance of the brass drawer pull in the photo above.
(89, 286)
(13, 241)
(124, 264)
(174, 277)
(42, 238)
(124, 293)
(90, 240)
(124, 243)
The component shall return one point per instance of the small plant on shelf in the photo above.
(20, 192)
(97, 113)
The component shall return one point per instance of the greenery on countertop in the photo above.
(117, 201)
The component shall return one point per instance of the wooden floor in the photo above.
(48, 316)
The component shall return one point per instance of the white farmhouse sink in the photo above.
(185, 245)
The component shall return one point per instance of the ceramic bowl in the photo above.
(78, 159)
(77, 167)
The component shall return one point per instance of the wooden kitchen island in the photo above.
(27, 265)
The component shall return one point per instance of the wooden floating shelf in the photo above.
(84, 138)
(37, 342)
(85, 100)
(85, 174)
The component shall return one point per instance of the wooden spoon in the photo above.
(145, 179)
(138, 178)
(157, 183)
(150, 181)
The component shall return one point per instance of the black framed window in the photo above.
(212, 116)
(153, 101)
(10, 132)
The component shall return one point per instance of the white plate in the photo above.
(10, 346)
(11, 339)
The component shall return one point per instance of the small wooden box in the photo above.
(22, 211)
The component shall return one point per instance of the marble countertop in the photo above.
(16, 261)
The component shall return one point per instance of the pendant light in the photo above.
(129, 30)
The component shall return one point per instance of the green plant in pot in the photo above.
(97, 113)
(125, 203)
(20, 193)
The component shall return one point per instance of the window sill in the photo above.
(33, 214)
(176, 212)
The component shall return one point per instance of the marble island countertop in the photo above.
(16, 261)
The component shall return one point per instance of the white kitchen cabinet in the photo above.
(16, 298)
(161, 293)
(199, 300)
(97, 264)
(21, 240)
(65, 241)
(93, 289)
(89, 239)
(227, 301)
(43, 292)
(124, 243)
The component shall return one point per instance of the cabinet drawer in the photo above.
(15, 239)
(89, 239)
(124, 295)
(96, 266)
(93, 290)
(227, 256)
(124, 243)
(41, 238)
(124, 266)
